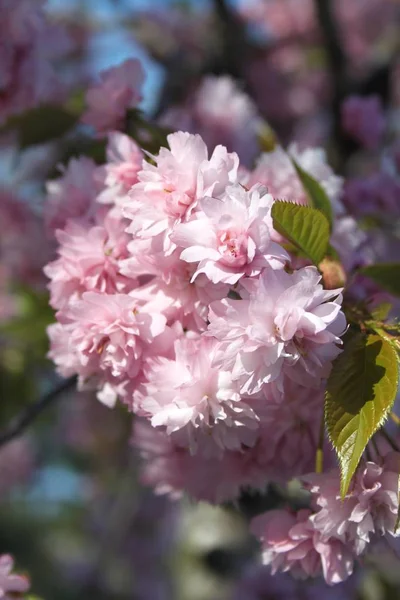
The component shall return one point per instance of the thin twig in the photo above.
(319, 457)
(31, 412)
(338, 68)
(333, 44)
(235, 46)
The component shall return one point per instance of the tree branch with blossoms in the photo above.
(230, 300)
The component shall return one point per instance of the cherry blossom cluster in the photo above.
(29, 45)
(176, 296)
(335, 532)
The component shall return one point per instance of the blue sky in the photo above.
(110, 48)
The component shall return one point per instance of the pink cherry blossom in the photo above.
(167, 191)
(171, 289)
(363, 120)
(372, 195)
(171, 469)
(29, 47)
(108, 100)
(73, 194)
(17, 465)
(20, 231)
(370, 508)
(230, 237)
(288, 433)
(103, 333)
(276, 171)
(288, 325)
(89, 259)
(285, 446)
(200, 406)
(291, 543)
(10, 584)
(124, 161)
(222, 114)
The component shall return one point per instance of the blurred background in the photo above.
(242, 73)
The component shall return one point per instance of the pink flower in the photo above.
(198, 405)
(369, 509)
(373, 195)
(291, 543)
(17, 464)
(351, 243)
(21, 231)
(167, 191)
(15, 584)
(103, 333)
(89, 259)
(230, 237)
(171, 469)
(363, 120)
(222, 114)
(73, 194)
(285, 445)
(289, 324)
(29, 47)
(124, 161)
(276, 171)
(171, 290)
(108, 100)
(288, 433)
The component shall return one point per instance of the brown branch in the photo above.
(334, 48)
(31, 412)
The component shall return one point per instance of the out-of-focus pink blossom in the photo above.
(350, 242)
(222, 114)
(377, 194)
(288, 434)
(29, 44)
(108, 100)
(196, 403)
(171, 469)
(291, 543)
(124, 161)
(288, 325)
(370, 508)
(230, 237)
(20, 232)
(276, 171)
(11, 584)
(285, 445)
(73, 194)
(363, 120)
(16, 464)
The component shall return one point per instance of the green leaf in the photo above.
(266, 137)
(317, 196)
(386, 275)
(305, 227)
(41, 124)
(381, 312)
(361, 390)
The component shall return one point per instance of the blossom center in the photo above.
(233, 245)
